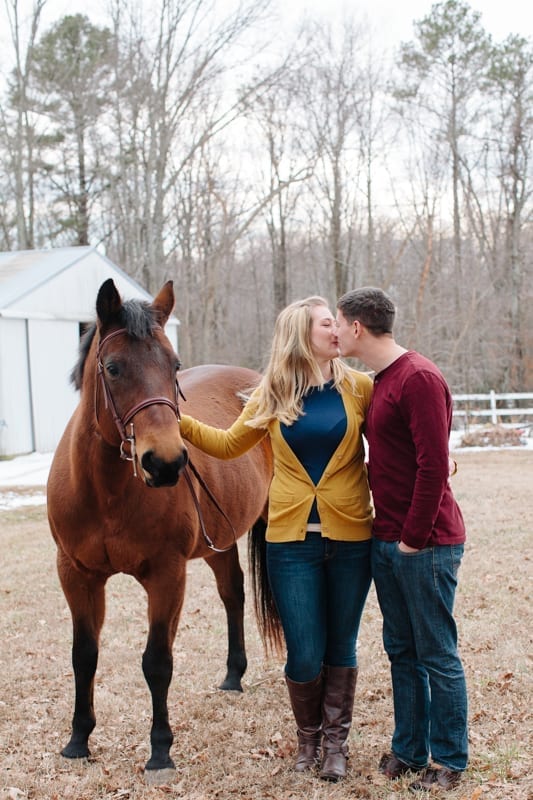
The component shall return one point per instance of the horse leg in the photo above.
(165, 601)
(86, 599)
(230, 584)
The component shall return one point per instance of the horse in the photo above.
(126, 494)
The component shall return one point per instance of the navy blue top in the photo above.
(315, 435)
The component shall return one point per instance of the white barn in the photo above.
(46, 297)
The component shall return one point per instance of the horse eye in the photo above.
(112, 369)
(178, 364)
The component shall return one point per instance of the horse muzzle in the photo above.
(158, 472)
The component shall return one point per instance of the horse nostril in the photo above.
(163, 473)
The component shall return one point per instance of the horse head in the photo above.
(135, 383)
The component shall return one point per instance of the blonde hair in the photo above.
(292, 367)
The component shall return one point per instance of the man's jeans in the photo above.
(319, 587)
(416, 593)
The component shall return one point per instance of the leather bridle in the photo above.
(128, 441)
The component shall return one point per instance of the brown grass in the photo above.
(240, 746)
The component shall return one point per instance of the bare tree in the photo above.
(173, 60)
(510, 81)
(273, 107)
(19, 134)
(441, 71)
(207, 221)
(334, 94)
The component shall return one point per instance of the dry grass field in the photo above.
(240, 746)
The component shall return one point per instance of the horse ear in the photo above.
(108, 302)
(164, 303)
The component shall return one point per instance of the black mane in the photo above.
(136, 316)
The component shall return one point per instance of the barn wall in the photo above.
(53, 353)
(172, 331)
(16, 434)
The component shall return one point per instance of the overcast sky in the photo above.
(391, 21)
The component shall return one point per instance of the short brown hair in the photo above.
(371, 306)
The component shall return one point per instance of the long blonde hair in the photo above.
(292, 367)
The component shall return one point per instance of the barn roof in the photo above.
(23, 272)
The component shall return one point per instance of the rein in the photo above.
(129, 441)
(215, 502)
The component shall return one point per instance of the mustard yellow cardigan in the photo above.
(342, 494)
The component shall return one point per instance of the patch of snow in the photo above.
(14, 500)
(456, 438)
(22, 472)
(30, 470)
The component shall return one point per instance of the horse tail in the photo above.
(266, 613)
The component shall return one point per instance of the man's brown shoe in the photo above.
(393, 768)
(440, 778)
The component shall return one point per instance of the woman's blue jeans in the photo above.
(416, 593)
(319, 587)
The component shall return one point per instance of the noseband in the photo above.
(122, 421)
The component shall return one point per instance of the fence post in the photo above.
(493, 406)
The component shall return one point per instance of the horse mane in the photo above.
(136, 316)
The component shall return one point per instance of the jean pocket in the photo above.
(420, 552)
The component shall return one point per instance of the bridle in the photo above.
(122, 421)
(128, 441)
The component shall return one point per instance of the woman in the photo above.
(312, 406)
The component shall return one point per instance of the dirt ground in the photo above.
(241, 746)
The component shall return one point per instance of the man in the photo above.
(418, 541)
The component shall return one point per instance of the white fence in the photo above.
(497, 408)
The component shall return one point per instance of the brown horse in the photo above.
(106, 516)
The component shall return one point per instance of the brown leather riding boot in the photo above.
(306, 703)
(337, 710)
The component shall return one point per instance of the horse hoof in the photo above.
(231, 684)
(158, 777)
(73, 752)
(231, 689)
